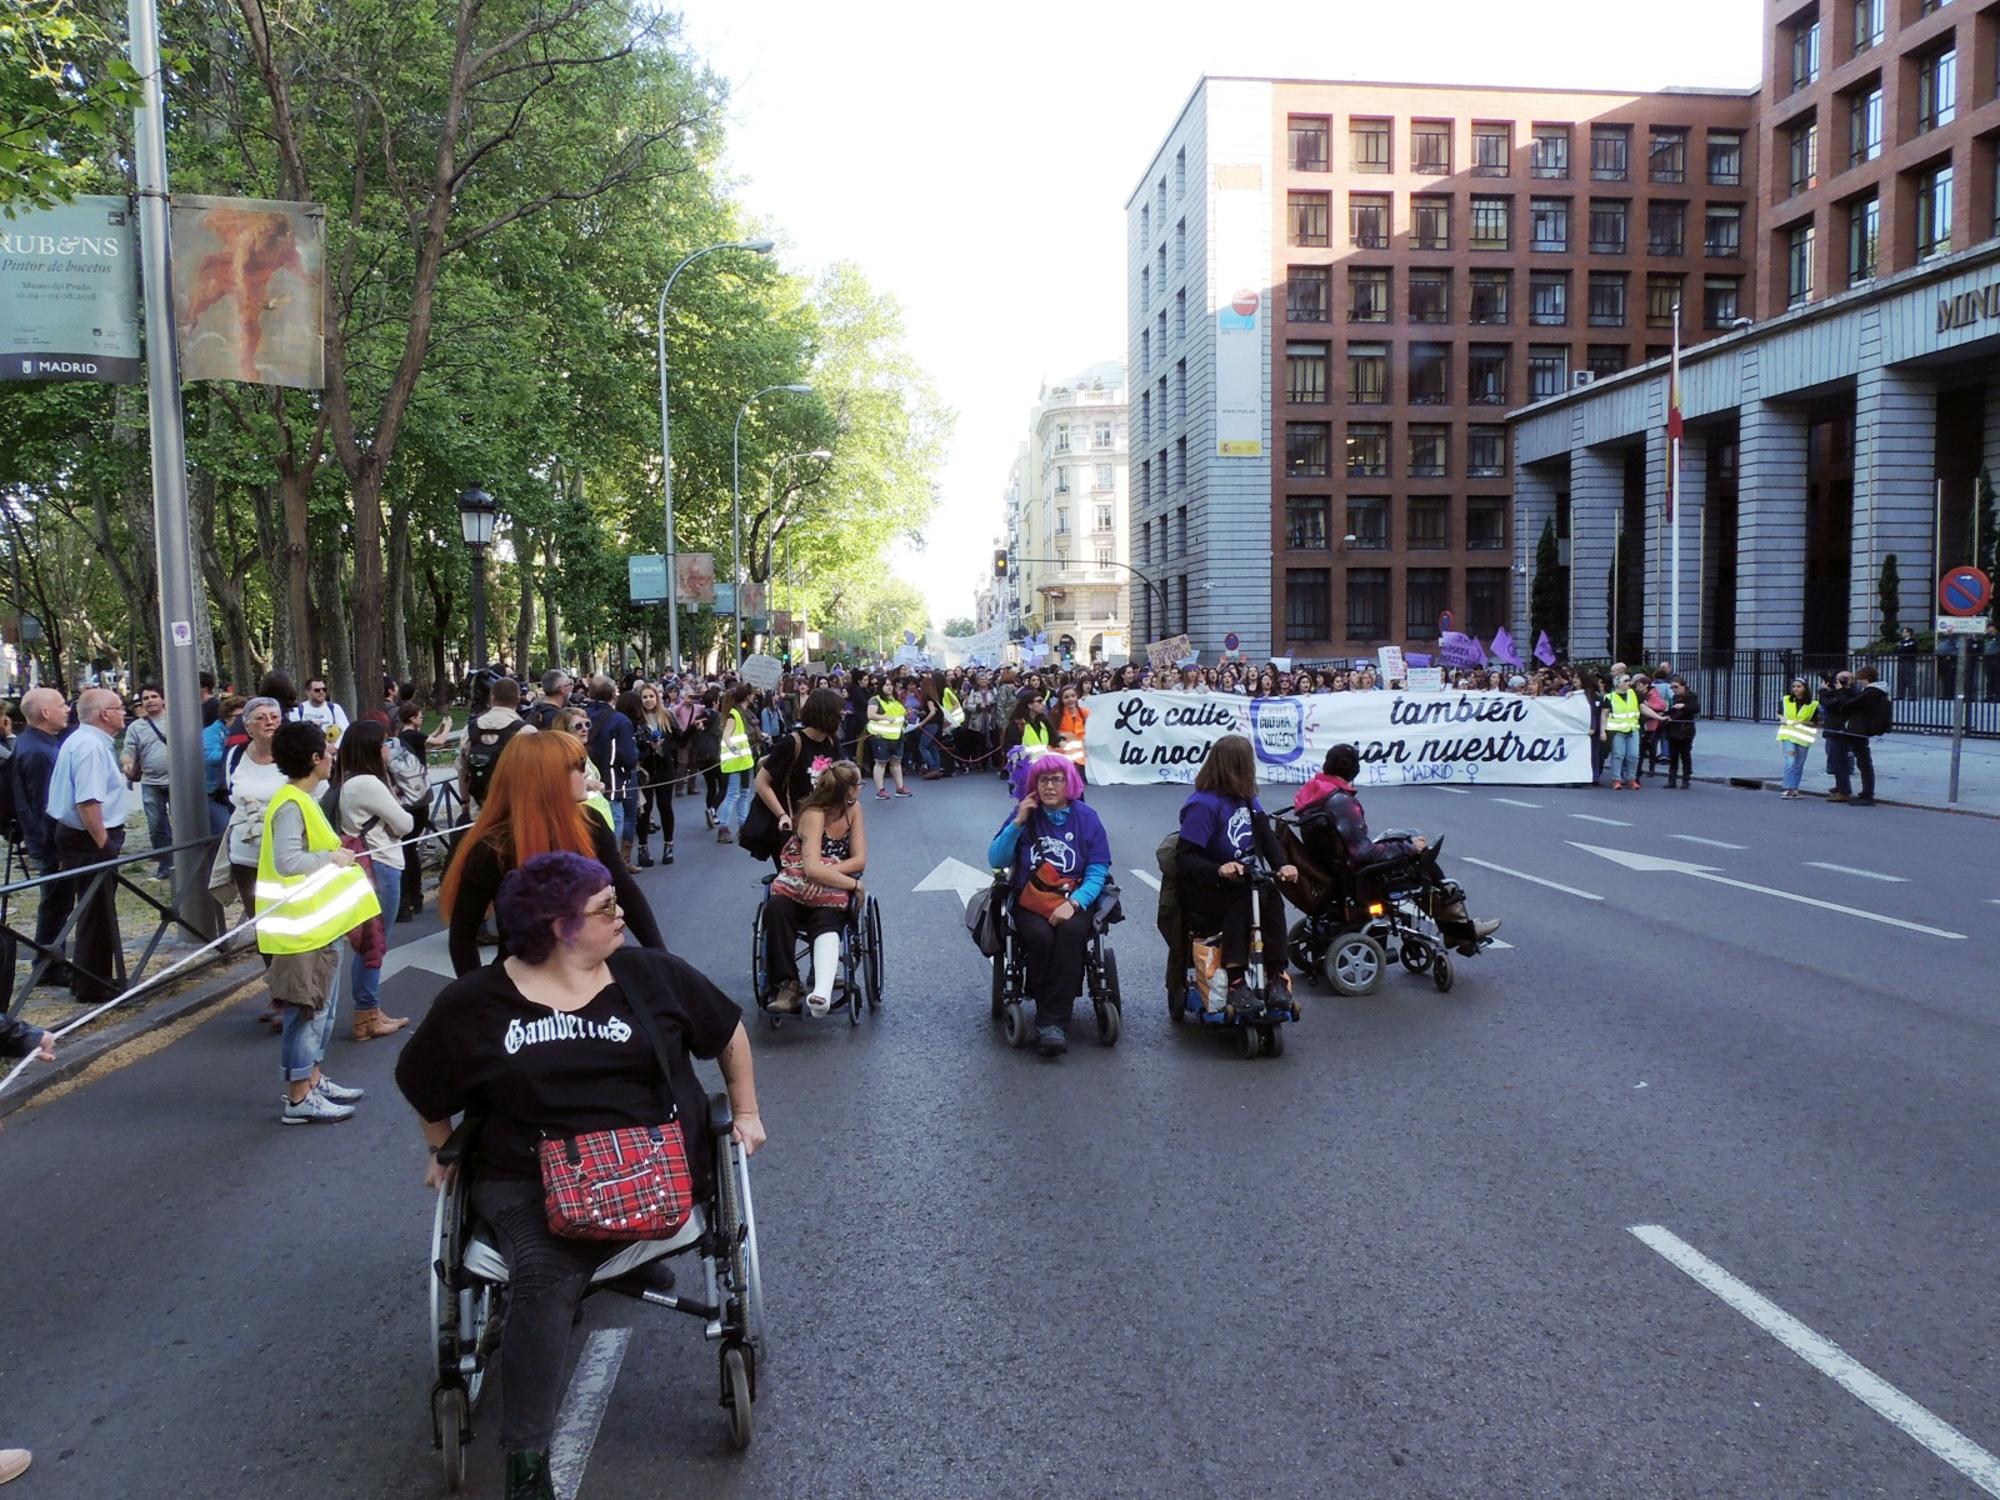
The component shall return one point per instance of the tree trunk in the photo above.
(294, 494)
(397, 645)
(524, 622)
(440, 630)
(284, 646)
(357, 696)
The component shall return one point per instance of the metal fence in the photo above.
(1751, 685)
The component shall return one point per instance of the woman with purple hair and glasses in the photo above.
(1061, 858)
(546, 1043)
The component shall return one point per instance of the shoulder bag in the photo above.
(760, 836)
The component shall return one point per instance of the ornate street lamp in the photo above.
(477, 516)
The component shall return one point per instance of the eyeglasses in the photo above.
(613, 910)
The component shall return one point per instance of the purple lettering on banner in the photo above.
(1503, 649)
(1458, 650)
(1415, 659)
(1544, 652)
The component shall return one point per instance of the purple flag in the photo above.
(1415, 659)
(1458, 650)
(1544, 652)
(1503, 649)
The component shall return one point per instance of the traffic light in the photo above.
(999, 562)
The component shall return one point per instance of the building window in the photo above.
(1666, 228)
(1309, 138)
(1799, 265)
(1367, 296)
(1491, 229)
(1430, 374)
(1607, 299)
(1608, 218)
(1663, 294)
(1486, 374)
(1102, 478)
(1367, 374)
(1426, 595)
(1548, 370)
(1430, 223)
(1368, 523)
(1725, 158)
(1367, 449)
(1180, 314)
(1062, 438)
(1368, 220)
(1428, 450)
(1489, 296)
(1871, 19)
(1549, 152)
(1864, 233)
(1308, 294)
(1864, 126)
(1486, 525)
(1803, 154)
(1721, 300)
(1308, 601)
(1429, 522)
(1937, 89)
(1486, 601)
(1430, 146)
(1305, 374)
(1548, 298)
(1062, 519)
(1804, 46)
(1180, 539)
(1667, 154)
(1368, 145)
(1104, 514)
(1492, 150)
(1309, 214)
(1722, 231)
(1145, 223)
(1430, 296)
(1306, 522)
(1485, 452)
(1548, 224)
(1180, 174)
(1934, 212)
(1610, 152)
(1306, 448)
(1605, 359)
(1367, 604)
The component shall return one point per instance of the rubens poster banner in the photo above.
(250, 290)
(69, 293)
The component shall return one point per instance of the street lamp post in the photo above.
(476, 517)
(736, 502)
(757, 247)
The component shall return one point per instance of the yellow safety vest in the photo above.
(1034, 736)
(953, 714)
(599, 804)
(1621, 712)
(1798, 728)
(304, 913)
(885, 721)
(736, 752)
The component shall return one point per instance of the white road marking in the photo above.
(1456, 791)
(1148, 877)
(1820, 864)
(1652, 863)
(1499, 943)
(1827, 1357)
(1567, 890)
(1516, 802)
(431, 954)
(957, 876)
(1695, 838)
(1608, 822)
(584, 1406)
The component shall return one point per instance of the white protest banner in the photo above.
(1426, 680)
(1457, 739)
(982, 650)
(1167, 653)
(761, 672)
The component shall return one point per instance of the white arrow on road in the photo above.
(1653, 863)
(956, 875)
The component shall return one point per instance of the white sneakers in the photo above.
(336, 1093)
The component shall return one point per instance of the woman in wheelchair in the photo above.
(1222, 825)
(1336, 828)
(817, 886)
(1061, 859)
(548, 1043)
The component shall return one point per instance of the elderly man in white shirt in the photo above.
(88, 801)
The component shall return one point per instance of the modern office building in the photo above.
(1337, 292)
(1849, 424)
(1067, 527)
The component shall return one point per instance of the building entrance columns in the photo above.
(1895, 498)
(1596, 508)
(1773, 450)
(1690, 502)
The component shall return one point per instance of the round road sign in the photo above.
(1964, 590)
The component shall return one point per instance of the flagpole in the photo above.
(1674, 480)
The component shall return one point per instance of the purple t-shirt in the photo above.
(1219, 826)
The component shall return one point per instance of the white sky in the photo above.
(975, 160)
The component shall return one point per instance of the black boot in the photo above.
(529, 1477)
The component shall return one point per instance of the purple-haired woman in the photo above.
(1061, 858)
(546, 1043)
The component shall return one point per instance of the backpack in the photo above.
(543, 715)
(482, 753)
(409, 777)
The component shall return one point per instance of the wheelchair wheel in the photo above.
(736, 1213)
(759, 979)
(1299, 947)
(736, 1396)
(1355, 963)
(451, 1420)
(872, 957)
(999, 984)
(1416, 957)
(1442, 973)
(1274, 1041)
(1111, 990)
(1110, 1022)
(1016, 1026)
(1249, 1041)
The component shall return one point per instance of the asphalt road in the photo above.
(1397, 1261)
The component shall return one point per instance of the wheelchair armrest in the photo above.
(458, 1145)
(769, 878)
(1107, 908)
(720, 1116)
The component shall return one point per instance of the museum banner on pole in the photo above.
(69, 293)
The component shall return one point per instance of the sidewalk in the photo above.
(1914, 769)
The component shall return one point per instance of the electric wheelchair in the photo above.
(1014, 1007)
(468, 1275)
(861, 966)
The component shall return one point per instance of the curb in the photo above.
(75, 1059)
(1763, 784)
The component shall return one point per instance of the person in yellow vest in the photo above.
(1028, 728)
(1621, 729)
(887, 720)
(1797, 733)
(310, 894)
(739, 763)
(953, 732)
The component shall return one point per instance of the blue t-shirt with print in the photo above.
(1219, 826)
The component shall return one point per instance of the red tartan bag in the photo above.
(629, 1183)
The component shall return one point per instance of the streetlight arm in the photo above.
(1064, 562)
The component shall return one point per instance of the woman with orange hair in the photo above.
(533, 805)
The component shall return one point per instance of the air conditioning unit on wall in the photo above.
(1578, 379)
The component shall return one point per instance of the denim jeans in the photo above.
(736, 801)
(1840, 764)
(303, 1037)
(389, 891)
(159, 823)
(931, 749)
(1624, 756)
(1795, 764)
